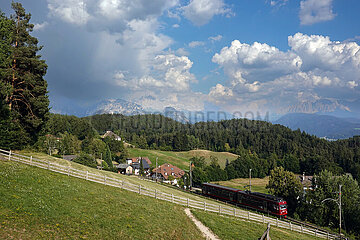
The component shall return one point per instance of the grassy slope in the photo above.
(257, 184)
(180, 159)
(37, 204)
(132, 179)
(232, 228)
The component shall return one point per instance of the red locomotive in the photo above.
(258, 201)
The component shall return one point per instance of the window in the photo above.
(172, 169)
(166, 173)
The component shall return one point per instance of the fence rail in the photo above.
(224, 210)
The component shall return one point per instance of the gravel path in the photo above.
(205, 230)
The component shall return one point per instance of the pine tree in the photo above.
(22, 72)
(108, 158)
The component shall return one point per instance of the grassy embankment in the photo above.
(231, 228)
(257, 184)
(180, 159)
(38, 204)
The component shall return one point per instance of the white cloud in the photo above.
(168, 84)
(71, 11)
(216, 38)
(40, 26)
(200, 12)
(262, 77)
(256, 61)
(175, 25)
(194, 44)
(182, 52)
(314, 11)
(279, 3)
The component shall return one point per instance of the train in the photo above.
(258, 201)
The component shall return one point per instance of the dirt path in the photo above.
(205, 230)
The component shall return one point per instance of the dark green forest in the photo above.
(261, 143)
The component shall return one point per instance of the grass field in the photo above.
(231, 228)
(38, 204)
(180, 159)
(257, 184)
(131, 179)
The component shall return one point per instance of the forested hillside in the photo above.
(261, 145)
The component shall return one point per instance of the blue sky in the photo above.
(274, 56)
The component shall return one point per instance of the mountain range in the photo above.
(324, 126)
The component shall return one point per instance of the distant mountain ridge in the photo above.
(116, 106)
(325, 126)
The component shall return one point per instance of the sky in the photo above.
(274, 56)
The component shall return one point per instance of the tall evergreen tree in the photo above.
(22, 73)
(108, 158)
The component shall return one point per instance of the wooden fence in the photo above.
(221, 209)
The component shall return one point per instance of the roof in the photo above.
(135, 160)
(112, 135)
(122, 166)
(222, 187)
(169, 169)
(136, 165)
(69, 157)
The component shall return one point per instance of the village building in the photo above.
(164, 171)
(124, 168)
(111, 135)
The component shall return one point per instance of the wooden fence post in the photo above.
(10, 155)
(219, 209)
(234, 212)
(48, 165)
(30, 160)
(248, 215)
(105, 179)
(302, 230)
(277, 222)
(290, 226)
(315, 232)
(187, 202)
(155, 194)
(68, 171)
(204, 206)
(263, 218)
(87, 175)
(172, 198)
(139, 189)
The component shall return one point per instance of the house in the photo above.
(306, 181)
(125, 168)
(136, 160)
(111, 135)
(164, 171)
(136, 166)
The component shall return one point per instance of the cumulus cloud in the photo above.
(167, 83)
(264, 77)
(40, 26)
(314, 11)
(200, 12)
(71, 11)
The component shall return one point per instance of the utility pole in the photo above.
(190, 176)
(156, 170)
(338, 202)
(250, 179)
(340, 210)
